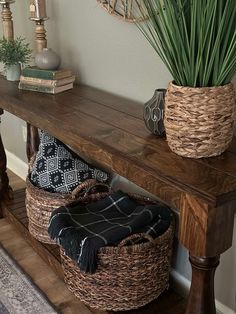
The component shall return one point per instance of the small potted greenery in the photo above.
(196, 40)
(13, 54)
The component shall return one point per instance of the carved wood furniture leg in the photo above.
(32, 143)
(5, 190)
(206, 231)
(4, 182)
(7, 23)
(40, 34)
(201, 297)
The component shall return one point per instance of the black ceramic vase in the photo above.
(153, 113)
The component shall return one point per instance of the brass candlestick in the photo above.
(8, 31)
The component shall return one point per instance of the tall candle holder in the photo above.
(8, 31)
(41, 42)
(38, 14)
(40, 33)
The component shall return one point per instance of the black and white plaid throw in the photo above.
(82, 229)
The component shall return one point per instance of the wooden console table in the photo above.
(110, 130)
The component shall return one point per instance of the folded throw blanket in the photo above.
(82, 229)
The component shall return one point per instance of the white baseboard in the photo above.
(178, 281)
(16, 165)
(223, 309)
(182, 286)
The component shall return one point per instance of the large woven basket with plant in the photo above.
(197, 42)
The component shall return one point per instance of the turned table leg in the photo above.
(5, 190)
(201, 298)
(32, 143)
(4, 182)
(206, 231)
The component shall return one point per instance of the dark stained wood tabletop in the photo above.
(110, 130)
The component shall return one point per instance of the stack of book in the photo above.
(46, 81)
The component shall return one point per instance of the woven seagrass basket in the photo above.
(199, 121)
(40, 204)
(128, 275)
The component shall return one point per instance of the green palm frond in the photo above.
(196, 39)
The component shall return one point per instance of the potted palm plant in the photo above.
(13, 54)
(196, 40)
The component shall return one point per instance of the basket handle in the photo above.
(31, 163)
(142, 199)
(85, 188)
(136, 236)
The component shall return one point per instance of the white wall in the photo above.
(112, 55)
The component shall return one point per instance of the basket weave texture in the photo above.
(199, 121)
(40, 204)
(128, 276)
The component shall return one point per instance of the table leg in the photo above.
(206, 231)
(32, 144)
(201, 298)
(5, 190)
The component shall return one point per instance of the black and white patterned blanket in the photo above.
(82, 229)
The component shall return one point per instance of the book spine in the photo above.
(65, 81)
(47, 75)
(36, 88)
(37, 81)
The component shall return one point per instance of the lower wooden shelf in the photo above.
(168, 303)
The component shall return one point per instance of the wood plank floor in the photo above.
(49, 281)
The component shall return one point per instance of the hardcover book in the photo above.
(43, 82)
(45, 89)
(46, 74)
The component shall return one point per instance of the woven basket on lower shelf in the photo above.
(128, 276)
(40, 204)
